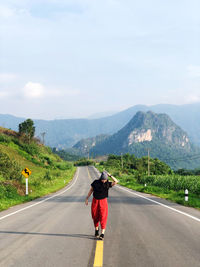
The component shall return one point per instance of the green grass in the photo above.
(49, 172)
(38, 187)
(178, 196)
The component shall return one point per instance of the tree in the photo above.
(27, 129)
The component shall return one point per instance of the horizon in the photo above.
(94, 116)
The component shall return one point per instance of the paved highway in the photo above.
(57, 230)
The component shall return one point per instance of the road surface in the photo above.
(57, 230)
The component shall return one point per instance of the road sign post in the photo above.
(26, 172)
(26, 186)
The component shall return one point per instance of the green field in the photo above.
(169, 186)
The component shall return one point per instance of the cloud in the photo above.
(6, 12)
(71, 92)
(13, 11)
(63, 92)
(34, 90)
(192, 98)
(3, 94)
(7, 77)
(193, 71)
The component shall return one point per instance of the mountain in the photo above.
(66, 133)
(154, 132)
(102, 115)
(84, 145)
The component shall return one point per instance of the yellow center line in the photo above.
(89, 174)
(98, 260)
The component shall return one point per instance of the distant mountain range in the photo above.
(147, 131)
(66, 133)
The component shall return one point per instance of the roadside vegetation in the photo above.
(84, 162)
(132, 172)
(19, 150)
(65, 155)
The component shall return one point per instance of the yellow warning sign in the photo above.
(26, 172)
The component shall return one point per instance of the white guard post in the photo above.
(26, 186)
(186, 195)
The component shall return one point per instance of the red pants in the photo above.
(99, 211)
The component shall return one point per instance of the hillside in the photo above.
(154, 132)
(49, 171)
(66, 133)
(84, 145)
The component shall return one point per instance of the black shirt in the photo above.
(100, 189)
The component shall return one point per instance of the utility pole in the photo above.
(87, 151)
(148, 163)
(122, 164)
(43, 135)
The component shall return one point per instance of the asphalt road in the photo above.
(59, 231)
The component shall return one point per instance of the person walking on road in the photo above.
(99, 208)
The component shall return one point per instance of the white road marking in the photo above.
(10, 214)
(168, 207)
(163, 205)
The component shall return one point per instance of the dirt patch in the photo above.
(8, 132)
(21, 189)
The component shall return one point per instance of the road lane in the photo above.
(143, 233)
(54, 233)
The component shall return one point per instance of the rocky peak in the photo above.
(149, 126)
(139, 136)
(149, 130)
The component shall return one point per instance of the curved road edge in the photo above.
(40, 200)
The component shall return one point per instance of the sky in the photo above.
(75, 58)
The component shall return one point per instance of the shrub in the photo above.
(49, 161)
(31, 148)
(48, 176)
(7, 190)
(84, 162)
(57, 174)
(64, 165)
(9, 169)
(5, 139)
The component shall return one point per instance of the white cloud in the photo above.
(7, 77)
(71, 92)
(13, 11)
(34, 90)
(3, 94)
(6, 12)
(192, 98)
(37, 90)
(193, 71)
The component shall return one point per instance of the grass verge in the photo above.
(175, 196)
(41, 184)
